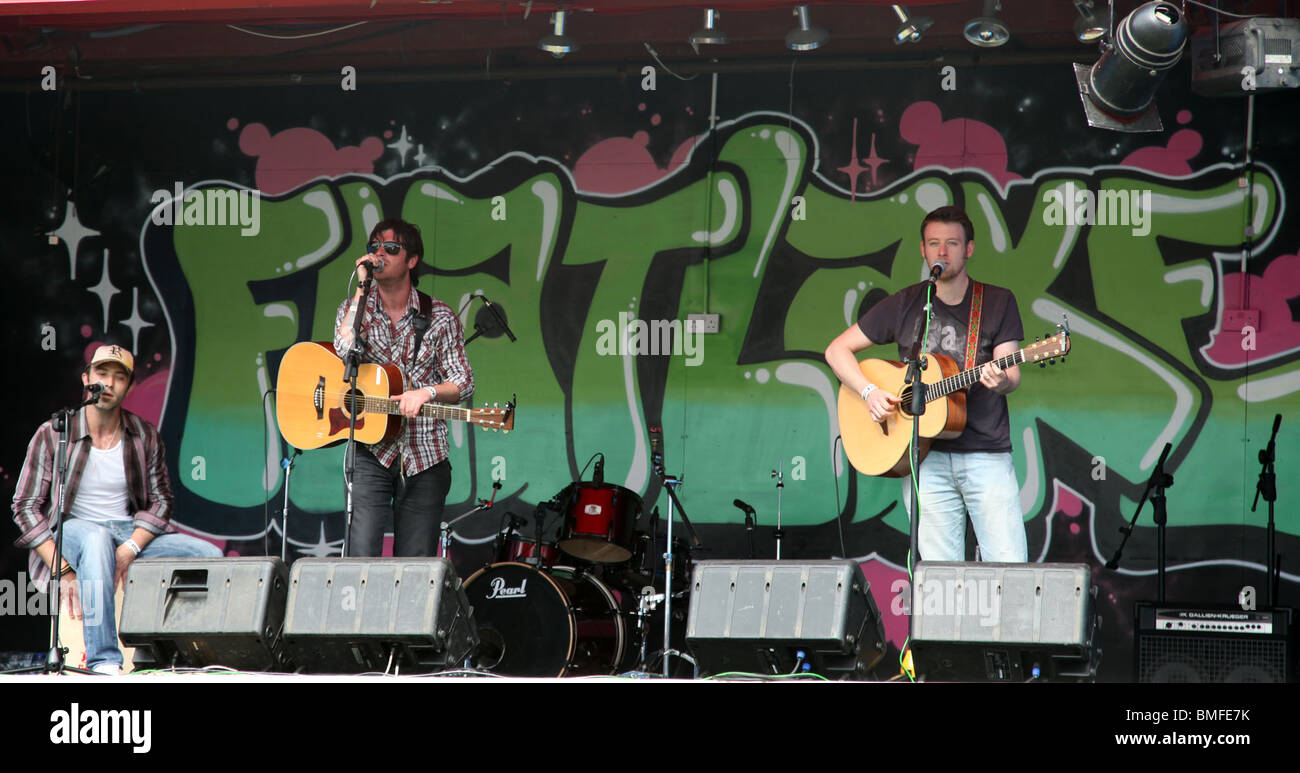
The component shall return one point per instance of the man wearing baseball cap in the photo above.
(119, 504)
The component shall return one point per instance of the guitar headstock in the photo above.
(497, 417)
(1049, 350)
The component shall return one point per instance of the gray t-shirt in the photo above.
(988, 427)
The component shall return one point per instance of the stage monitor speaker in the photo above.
(1181, 643)
(205, 612)
(784, 617)
(391, 615)
(1003, 622)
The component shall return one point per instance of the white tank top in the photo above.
(102, 493)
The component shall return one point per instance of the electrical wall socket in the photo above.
(705, 323)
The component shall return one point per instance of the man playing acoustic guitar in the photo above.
(410, 475)
(973, 472)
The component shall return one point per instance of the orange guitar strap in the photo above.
(973, 326)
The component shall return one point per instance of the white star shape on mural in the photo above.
(71, 232)
(403, 145)
(135, 321)
(105, 290)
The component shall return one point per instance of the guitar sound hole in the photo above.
(354, 402)
(905, 405)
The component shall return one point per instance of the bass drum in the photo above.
(557, 623)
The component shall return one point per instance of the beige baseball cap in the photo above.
(111, 353)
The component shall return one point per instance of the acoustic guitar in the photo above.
(314, 405)
(880, 447)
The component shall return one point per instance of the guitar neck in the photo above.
(967, 377)
(430, 410)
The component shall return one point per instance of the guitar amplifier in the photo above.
(1003, 622)
(1178, 643)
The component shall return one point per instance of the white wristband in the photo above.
(134, 547)
(868, 389)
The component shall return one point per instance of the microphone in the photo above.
(372, 265)
(937, 270)
(95, 391)
(743, 507)
(599, 475)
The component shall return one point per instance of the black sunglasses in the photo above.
(392, 248)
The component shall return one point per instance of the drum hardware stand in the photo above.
(1267, 487)
(1158, 482)
(670, 483)
(780, 486)
(54, 662)
(444, 540)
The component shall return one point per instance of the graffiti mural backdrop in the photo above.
(210, 230)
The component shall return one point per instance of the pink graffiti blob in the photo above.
(1172, 159)
(622, 164)
(146, 397)
(1270, 294)
(886, 584)
(287, 159)
(959, 143)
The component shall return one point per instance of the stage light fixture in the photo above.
(1118, 90)
(557, 43)
(806, 37)
(1091, 23)
(987, 31)
(709, 34)
(912, 26)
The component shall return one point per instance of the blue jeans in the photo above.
(91, 548)
(981, 484)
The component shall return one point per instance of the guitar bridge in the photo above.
(318, 398)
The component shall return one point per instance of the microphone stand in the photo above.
(444, 541)
(498, 318)
(1158, 482)
(54, 659)
(353, 361)
(780, 486)
(670, 483)
(287, 464)
(916, 363)
(1267, 486)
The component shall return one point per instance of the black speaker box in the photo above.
(205, 612)
(1003, 622)
(1181, 643)
(783, 617)
(354, 615)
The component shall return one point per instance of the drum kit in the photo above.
(583, 602)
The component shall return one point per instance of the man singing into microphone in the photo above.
(973, 472)
(409, 476)
(118, 500)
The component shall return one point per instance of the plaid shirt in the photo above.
(422, 442)
(147, 485)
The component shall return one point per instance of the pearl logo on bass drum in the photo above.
(502, 591)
